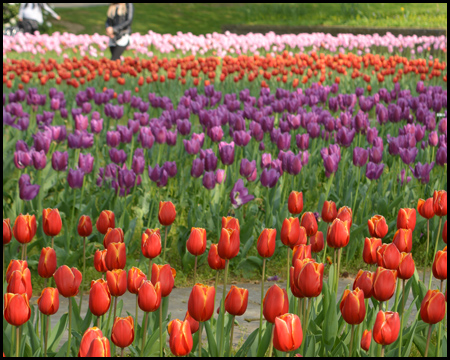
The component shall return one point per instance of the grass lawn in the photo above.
(208, 17)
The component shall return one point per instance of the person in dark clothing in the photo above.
(118, 27)
(30, 16)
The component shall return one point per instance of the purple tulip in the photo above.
(146, 138)
(42, 142)
(247, 168)
(21, 146)
(443, 126)
(374, 171)
(75, 178)
(408, 156)
(75, 140)
(184, 127)
(394, 146)
(302, 141)
(210, 161)
(86, 163)
(433, 138)
(284, 141)
(262, 147)
(87, 140)
(39, 159)
(422, 172)
(376, 155)
(22, 159)
(241, 137)
(345, 136)
(197, 168)
(220, 176)
(305, 158)
(216, 133)
(81, 122)
(239, 194)
(192, 146)
(171, 138)
(372, 134)
(127, 178)
(154, 173)
(266, 159)
(55, 104)
(209, 180)
(138, 164)
(117, 156)
(226, 152)
(360, 156)
(27, 191)
(126, 135)
(59, 133)
(163, 178)
(441, 156)
(60, 160)
(199, 137)
(269, 178)
(313, 130)
(133, 125)
(171, 168)
(96, 126)
(113, 138)
(294, 164)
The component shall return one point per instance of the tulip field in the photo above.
(204, 157)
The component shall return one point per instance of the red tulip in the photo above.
(384, 284)
(196, 243)
(84, 226)
(51, 222)
(287, 333)
(67, 280)
(117, 282)
(180, 340)
(370, 250)
(99, 260)
(329, 211)
(292, 284)
(310, 278)
(105, 221)
(378, 227)
(99, 297)
(116, 256)
(229, 243)
(295, 202)
(386, 328)
(166, 276)
(290, 232)
(201, 302)
(338, 234)
(149, 296)
(20, 283)
(353, 308)
(432, 309)
(236, 301)
(167, 213)
(99, 348)
(266, 243)
(406, 219)
(194, 324)
(135, 279)
(406, 268)
(48, 302)
(439, 203)
(444, 232)
(366, 339)
(215, 262)
(6, 231)
(317, 243)
(89, 335)
(47, 263)
(440, 265)
(113, 236)
(309, 223)
(15, 265)
(24, 228)
(345, 214)
(275, 303)
(151, 243)
(364, 281)
(403, 240)
(301, 252)
(230, 222)
(425, 208)
(17, 309)
(122, 333)
(388, 256)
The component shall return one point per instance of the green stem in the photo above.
(428, 340)
(440, 328)
(135, 321)
(47, 320)
(227, 262)
(165, 244)
(200, 340)
(338, 268)
(300, 307)
(17, 341)
(70, 327)
(397, 296)
(215, 292)
(428, 248)
(288, 267)
(84, 272)
(195, 271)
(271, 342)
(144, 333)
(262, 298)
(231, 336)
(357, 187)
(98, 322)
(73, 212)
(109, 316)
(402, 319)
(113, 350)
(325, 250)
(160, 332)
(382, 351)
(435, 248)
(351, 341)
(149, 275)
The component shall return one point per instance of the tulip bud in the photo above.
(353, 308)
(440, 265)
(180, 340)
(117, 282)
(20, 283)
(345, 214)
(89, 335)
(167, 213)
(215, 262)
(406, 268)
(105, 221)
(15, 265)
(99, 260)
(230, 222)
(236, 301)
(48, 302)
(51, 222)
(122, 333)
(116, 256)
(366, 339)
(135, 279)
(201, 302)
(364, 281)
(329, 211)
(17, 309)
(377, 226)
(309, 279)
(432, 309)
(338, 234)
(24, 228)
(266, 243)
(84, 226)
(290, 232)
(196, 243)
(99, 348)
(386, 328)
(384, 284)
(67, 280)
(388, 256)
(301, 252)
(149, 296)
(7, 235)
(406, 219)
(288, 333)
(425, 208)
(439, 204)
(194, 324)
(229, 243)
(317, 243)
(370, 250)
(275, 303)
(166, 276)
(309, 223)
(403, 240)
(295, 202)
(151, 243)
(113, 236)
(47, 263)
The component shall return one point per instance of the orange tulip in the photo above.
(17, 309)
(7, 234)
(378, 227)
(386, 328)
(439, 203)
(135, 279)
(275, 303)
(167, 213)
(229, 243)
(84, 226)
(407, 267)
(295, 202)
(236, 301)
(230, 222)
(287, 333)
(47, 263)
(99, 348)
(166, 276)
(388, 256)
(364, 281)
(117, 282)
(353, 308)
(151, 243)
(301, 252)
(309, 222)
(196, 243)
(89, 335)
(113, 236)
(406, 219)
(67, 280)
(201, 302)
(24, 228)
(345, 214)
(329, 211)
(51, 222)
(194, 324)
(309, 279)
(48, 302)
(338, 234)
(366, 339)
(215, 262)
(180, 340)
(20, 283)
(149, 296)
(317, 243)
(425, 208)
(105, 221)
(266, 243)
(122, 333)
(444, 232)
(440, 265)
(384, 284)
(403, 240)
(432, 309)
(116, 256)
(99, 260)
(370, 250)
(15, 265)
(290, 232)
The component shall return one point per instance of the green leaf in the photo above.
(265, 340)
(421, 343)
(211, 341)
(86, 322)
(55, 335)
(331, 328)
(252, 262)
(247, 344)
(34, 340)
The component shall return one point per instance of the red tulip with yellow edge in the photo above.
(407, 267)
(425, 208)
(384, 284)
(352, 306)
(309, 222)
(149, 296)
(67, 280)
(167, 213)
(301, 252)
(275, 303)
(151, 243)
(215, 262)
(194, 324)
(99, 348)
(329, 211)
(201, 302)
(20, 283)
(17, 309)
(439, 203)
(403, 240)
(105, 221)
(135, 279)
(406, 219)
(229, 243)
(236, 301)
(292, 284)
(180, 337)
(364, 281)
(310, 278)
(370, 250)
(230, 222)
(116, 256)
(378, 227)
(7, 234)
(290, 232)
(338, 234)
(196, 243)
(99, 261)
(99, 297)
(166, 276)
(51, 222)
(345, 214)
(386, 328)
(388, 256)
(288, 333)
(317, 242)
(89, 335)
(440, 265)
(295, 202)
(24, 228)
(117, 282)
(113, 236)
(432, 309)
(48, 302)
(84, 226)
(122, 333)
(47, 263)
(266, 243)
(15, 265)
(366, 339)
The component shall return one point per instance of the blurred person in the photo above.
(118, 27)
(30, 16)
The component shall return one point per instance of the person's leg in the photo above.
(117, 51)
